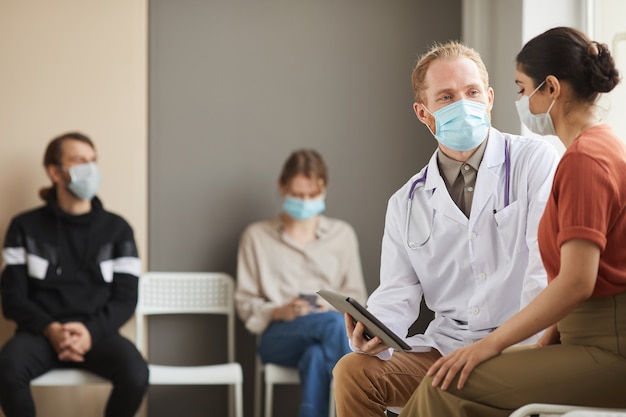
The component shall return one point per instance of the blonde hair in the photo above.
(448, 50)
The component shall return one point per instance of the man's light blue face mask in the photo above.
(84, 180)
(462, 125)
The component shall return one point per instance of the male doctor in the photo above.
(461, 233)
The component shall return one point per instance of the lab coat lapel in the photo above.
(489, 172)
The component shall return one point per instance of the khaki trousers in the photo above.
(365, 385)
(588, 368)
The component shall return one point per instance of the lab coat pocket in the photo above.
(502, 216)
(511, 226)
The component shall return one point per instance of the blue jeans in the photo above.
(312, 343)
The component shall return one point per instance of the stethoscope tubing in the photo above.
(422, 179)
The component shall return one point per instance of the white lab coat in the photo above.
(473, 273)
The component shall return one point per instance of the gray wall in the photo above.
(235, 86)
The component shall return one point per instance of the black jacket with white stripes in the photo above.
(61, 267)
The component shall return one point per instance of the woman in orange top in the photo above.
(581, 357)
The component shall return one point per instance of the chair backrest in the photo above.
(185, 293)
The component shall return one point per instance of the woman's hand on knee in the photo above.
(461, 362)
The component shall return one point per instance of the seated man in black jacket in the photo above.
(70, 282)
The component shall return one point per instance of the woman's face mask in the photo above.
(541, 123)
(84, 180)
(462, 125)
(301, 209)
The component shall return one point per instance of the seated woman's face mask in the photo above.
(540, 123)
(84, 180)
(301, 209)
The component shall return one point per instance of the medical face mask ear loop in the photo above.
(434, 120)
(541, 123)
(550, 108)
(551, 104)
(428, 126)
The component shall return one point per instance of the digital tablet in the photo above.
(373, 327)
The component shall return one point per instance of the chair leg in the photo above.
(231, 400)
(235, 400)
(258, 387)
(238, 400)
(269, 392)
(332, 410)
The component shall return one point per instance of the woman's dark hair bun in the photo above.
(604, 74)
(569, 55)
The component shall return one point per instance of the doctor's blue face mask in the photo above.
(301, 209)
(462, 125)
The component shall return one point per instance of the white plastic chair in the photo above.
(395, 410)
(596, 413)
(270, 374)
(163, 293)
(67, 378)
(566, 410)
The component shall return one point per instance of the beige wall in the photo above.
(74, 65)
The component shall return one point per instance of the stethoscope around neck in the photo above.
(414, 245)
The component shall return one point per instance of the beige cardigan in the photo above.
(272, 269)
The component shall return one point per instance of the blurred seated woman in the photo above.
(282, 263)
